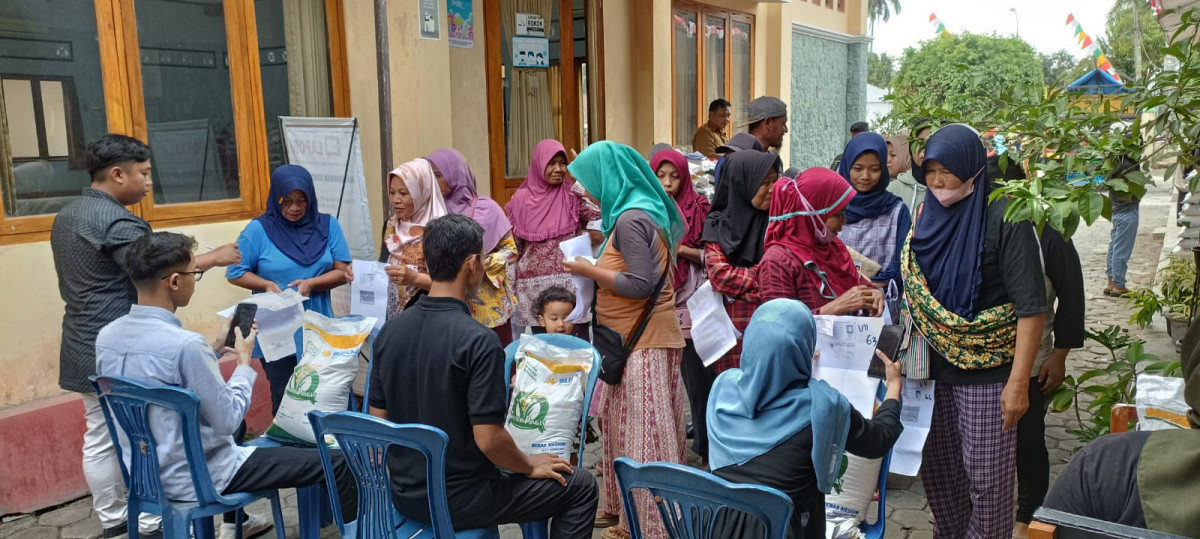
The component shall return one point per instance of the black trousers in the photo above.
(271, 468)
(278, 373)
(698, 381)
(1033, 460)
(570, 509)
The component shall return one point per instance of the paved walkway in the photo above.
(907, 512)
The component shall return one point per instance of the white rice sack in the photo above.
(323, 376)
(847, 505)
(547, 397)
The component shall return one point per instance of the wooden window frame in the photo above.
(120, 68)
(730, 16)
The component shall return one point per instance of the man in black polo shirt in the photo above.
(436, 365)
(89, 240)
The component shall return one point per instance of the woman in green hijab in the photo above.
(1146, 479)
(642, 416)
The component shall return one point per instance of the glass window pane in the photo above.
(741, 70)
(684, 23)
(189, 103)
(294, 57)
(56, 65)
(714, 58)
(22, 126)
(54, 115)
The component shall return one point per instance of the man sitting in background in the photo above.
(437, 366)
(150, 345)
(712, 134)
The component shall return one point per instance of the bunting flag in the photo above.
(1088, 46)
(941, 28)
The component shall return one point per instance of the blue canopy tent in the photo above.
(1098, 82)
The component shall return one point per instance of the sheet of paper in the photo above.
(712, 330)
(916, 414)
(846, 344)
(580, 245)
(369, 290)
(278, 318)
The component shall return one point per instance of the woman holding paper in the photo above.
(495, 301)
(805, 260)
(642, 416)
(976, 293)
(770, 423)
(733, 236)
(544, 213)
(291, 245)
(672, 170)
(416, 199)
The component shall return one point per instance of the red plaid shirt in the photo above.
(735, 283)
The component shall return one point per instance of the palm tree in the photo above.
(881, 10)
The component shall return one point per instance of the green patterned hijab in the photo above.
(620, 178)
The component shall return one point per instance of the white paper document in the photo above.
(846, 345)
(916, 414)
(584, 288)
(369, 290)
(278, 318)
(712, 330)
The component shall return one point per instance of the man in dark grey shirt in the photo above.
(89, 240)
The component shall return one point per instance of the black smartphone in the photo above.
(243, 318)
(889, 344)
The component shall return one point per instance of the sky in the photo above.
(1042, 23)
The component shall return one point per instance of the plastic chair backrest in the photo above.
(298, 338)
(364, 441)
(128, 402)
(562, 341)
(688, 499)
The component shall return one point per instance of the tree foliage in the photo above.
(881, 68)
(964, 72)
(1118, 43)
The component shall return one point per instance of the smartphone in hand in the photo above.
(889, 344)
(243, 318)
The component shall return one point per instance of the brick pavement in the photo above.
(907, 512)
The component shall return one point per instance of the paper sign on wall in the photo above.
(531, 24)
(530, 52)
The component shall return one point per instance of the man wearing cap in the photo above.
(712, 134)
(767, 121)
(89, 240)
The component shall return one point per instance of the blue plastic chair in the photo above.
(312, 502)
(688, 499)
(127, 403)
(364, 441)
(541, 529)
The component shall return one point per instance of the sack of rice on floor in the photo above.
(326, 369)
(547, 397)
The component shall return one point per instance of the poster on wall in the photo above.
(530, 52)
(461, 23)
(427, 15)
(531, 25)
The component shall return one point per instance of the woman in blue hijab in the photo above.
(770, 423)
(877, 222)
(292, 245)
(976, 296)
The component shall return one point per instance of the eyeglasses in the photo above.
(199, 273)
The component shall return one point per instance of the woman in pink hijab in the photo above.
(495, 300)
(416, 199)
(545, 212)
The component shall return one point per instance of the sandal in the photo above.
(614, 533)
(605, 521)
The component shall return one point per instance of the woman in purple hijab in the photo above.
(495, 301)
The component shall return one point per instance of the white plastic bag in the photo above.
(847, 505)
(547, 397)
(323, 375)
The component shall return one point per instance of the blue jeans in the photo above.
(1120, 245)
